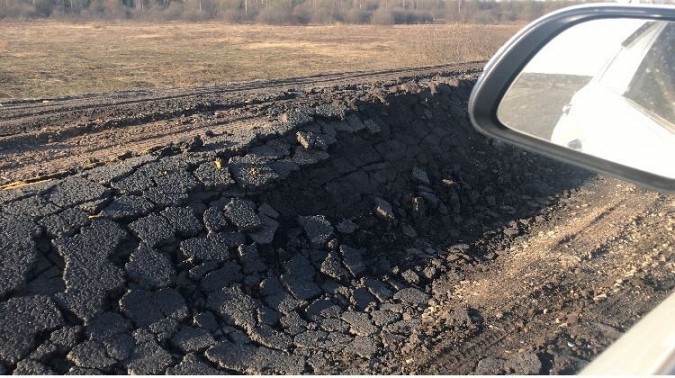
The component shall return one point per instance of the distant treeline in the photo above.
(287, 12)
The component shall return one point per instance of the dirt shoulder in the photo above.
(48, 138)
(574, 282)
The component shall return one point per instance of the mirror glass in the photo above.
(605, 88)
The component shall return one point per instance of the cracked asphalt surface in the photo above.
(340, 224)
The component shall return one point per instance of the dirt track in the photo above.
(335, 224)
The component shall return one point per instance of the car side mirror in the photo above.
(593, 85)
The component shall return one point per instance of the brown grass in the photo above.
(50, 59)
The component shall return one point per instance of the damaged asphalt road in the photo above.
(357, 226)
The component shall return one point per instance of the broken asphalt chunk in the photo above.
(214, 246)
(241, 214)
(21, 319)
(212, 177)
(412, 296)
(75, 190)
(150, 268)
(266, 234)
(146, 308)
(353, 260)
(317, 228)
(89, 275)
(126, 207)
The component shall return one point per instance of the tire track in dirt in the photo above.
(78, 103)
(568, 271)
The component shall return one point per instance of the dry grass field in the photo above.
(52, 59)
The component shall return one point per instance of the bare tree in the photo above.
(291, 11)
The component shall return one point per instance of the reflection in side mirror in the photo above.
(605, 88)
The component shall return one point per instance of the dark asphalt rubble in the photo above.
(313, 248)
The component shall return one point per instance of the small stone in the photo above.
(309, 140)
(332, 267)
(384, 210)
(411, 277)
(419, 208)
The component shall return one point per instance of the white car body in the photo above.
(602, 122)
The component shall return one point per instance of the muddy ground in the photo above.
(336, 224)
